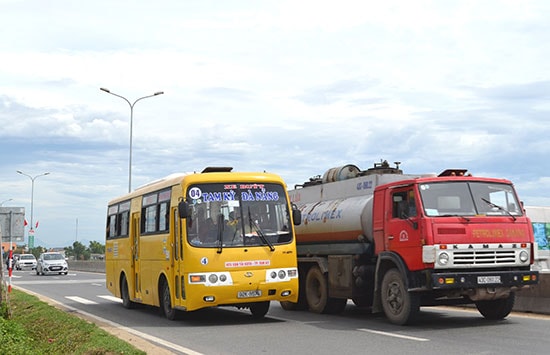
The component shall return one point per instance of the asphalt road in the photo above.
(356, 331)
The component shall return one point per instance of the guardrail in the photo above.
(533, 300)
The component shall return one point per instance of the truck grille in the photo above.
(484, 257)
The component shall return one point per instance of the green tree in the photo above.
(96, 248)
(36, 251)
(78, 251)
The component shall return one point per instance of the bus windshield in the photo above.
(469, 198)
(238, 214)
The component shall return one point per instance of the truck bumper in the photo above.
(472, 280)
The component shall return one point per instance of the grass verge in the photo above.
(30, 326)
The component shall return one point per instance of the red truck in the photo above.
(395, 242)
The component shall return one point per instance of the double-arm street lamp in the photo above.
(32, 197)
(131, 125)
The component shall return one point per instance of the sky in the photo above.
(289, 87)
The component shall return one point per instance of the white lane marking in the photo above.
(408, 337)
(80, 300)
(56, 280)
(110, 298)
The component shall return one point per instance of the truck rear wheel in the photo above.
(317, 294)
(496, 309)
(301, 305)
(400, 306)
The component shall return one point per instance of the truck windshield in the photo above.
(238, 214)
(468, 198)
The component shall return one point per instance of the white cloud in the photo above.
(289, 87)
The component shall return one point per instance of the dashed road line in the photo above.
(80, 300)
(110, 298)
(394, 335)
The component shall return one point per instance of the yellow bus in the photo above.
(215, 238)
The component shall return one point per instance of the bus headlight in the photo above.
(278, 275)
(213, 278)
(523, 256)
(443, 259)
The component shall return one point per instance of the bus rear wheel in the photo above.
(125, 294)
(166, 303)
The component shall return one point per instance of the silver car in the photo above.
(25, 261)
(52, 263)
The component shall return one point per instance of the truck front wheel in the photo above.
(400, 306)
(496, 309)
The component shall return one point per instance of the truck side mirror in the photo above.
(183, 209)
(296, 215)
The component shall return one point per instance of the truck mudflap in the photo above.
(463, 280)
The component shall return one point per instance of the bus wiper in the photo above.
(221, 225)
(498, 207)
(257, 229)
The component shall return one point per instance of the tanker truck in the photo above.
(394, 242)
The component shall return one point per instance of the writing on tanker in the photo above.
(323, 216)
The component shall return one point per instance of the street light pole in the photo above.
(131, 127)
(32, 196)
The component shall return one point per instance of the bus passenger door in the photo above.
(136, 254)
(177, 256)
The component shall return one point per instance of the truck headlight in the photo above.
(523, 256)
(443, 258)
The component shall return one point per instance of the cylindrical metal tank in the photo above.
(341, 173)
(336, 221)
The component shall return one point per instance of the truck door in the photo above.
(402, 233)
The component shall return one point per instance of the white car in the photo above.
(25, 261)
(52, 263)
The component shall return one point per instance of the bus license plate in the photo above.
(482, 280)
(249, 294)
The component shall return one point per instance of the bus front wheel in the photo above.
(166, 303)
(259, 310)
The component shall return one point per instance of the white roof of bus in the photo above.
(174, 176)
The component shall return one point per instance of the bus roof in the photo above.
(211, 176)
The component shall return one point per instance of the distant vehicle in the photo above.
(25, 261)
(50, 263)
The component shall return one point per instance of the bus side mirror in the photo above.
(296, 215)
(183, 209)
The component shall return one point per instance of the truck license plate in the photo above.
(482, 280)
(249, 294)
